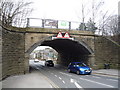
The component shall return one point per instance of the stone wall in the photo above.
(13, 56)
(106, 51)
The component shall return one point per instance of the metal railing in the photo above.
(51, 23)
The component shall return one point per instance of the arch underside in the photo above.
(68, 50)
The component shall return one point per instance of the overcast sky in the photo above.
(69, 10)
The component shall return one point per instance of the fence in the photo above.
(50, 23)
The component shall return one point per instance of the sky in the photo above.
(70, 10)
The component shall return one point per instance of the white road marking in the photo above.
(113, 80)
(76, 84)
(60, 78)
(63, 81)
(65, 74)
(55, 75)
(71, 80)
(96, 77)
(98, 83)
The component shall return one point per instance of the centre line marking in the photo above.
(63, 81)
(97, 82)
(55, 75)
(65, 74)
(60, 78)
(76, 84)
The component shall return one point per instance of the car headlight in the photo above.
(90, 68)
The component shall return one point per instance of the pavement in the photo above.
(38, 80)
(110, 72)
(30, 80)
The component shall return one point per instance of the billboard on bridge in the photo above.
(63, 24)
(50, 23)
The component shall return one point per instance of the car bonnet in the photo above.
(84, 67)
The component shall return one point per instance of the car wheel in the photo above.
(78, 72)
(69, 70)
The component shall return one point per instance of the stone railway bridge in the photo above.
(17, 44)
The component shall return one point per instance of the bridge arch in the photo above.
(68, 50)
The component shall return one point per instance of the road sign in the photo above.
(60, 36)
(66, 35)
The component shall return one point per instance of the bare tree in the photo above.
(14, 13)
(110, 28)
(95, 9)
(102, 20)
(90, 10)
(111, 25)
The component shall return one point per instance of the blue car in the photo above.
(79, 68)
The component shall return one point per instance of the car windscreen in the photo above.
(50, 61)
(81, 64)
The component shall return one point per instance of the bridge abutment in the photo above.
(26, 63)
(91, 60)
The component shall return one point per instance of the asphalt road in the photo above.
(63, 79)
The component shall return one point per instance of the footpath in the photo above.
(109, 72)
(30, 80)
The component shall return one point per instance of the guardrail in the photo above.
(51, 23)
